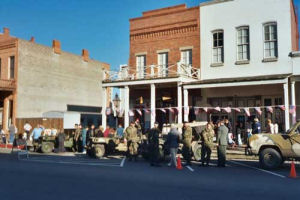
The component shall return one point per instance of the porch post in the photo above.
(104, 91)
(5, 114)
(293, 98)
(126, 109)
(179, 103)
(286, 104)
(186, 104)
(153, 105)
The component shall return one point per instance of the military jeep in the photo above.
(274, 149)
(100, 146)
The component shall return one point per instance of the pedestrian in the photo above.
(276, 127)
(238, 137)
(230, 134)
(187, 143)
(120, 131)
(12, 132)
(99, 132)
(222, 141)
(207, 137)
(90, 133)
(2, 136)
(153, 139)
(107, 131)
(270, 127)
(36, 134)
(77, 136)
(256, 127)
(61, 141)
(172, 143)
(27, 129)
(83, 135)
(131, 136)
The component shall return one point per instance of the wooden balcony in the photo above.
(7, 85)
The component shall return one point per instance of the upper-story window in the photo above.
(270, 40)
(0, 68)
(12, 67)
(186, 57)
(163, 64)
(218, 47)
(141, 66)
(243, 47)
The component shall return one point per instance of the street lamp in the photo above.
(116, 102)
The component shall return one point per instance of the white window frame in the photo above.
(243, 41)
(219, 49)
(187, 57)
(270, 43)
(140, 66)
(163, 62)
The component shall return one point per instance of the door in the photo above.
(163, 64)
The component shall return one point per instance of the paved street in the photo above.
(52, 177)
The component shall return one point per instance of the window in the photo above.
(12, 67)
(270, 40)
(218, 47)
(0, 68)
(141, 66)
(163, 64)
(243, 53)
(186, 57)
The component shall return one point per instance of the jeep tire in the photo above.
(270, 158)
(99, 151)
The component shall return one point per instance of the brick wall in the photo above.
(168, 28)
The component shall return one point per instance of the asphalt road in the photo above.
(50, 178)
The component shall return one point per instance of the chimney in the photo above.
(6, 31)
(56, 46)
(85, 55)
(32, 39)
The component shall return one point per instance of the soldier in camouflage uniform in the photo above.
(77, 136)
(207, 137)
(187, 143)
(132, 138)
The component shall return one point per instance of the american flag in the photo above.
(258, 110)
(292, 109)
(270, 109)
(247, 111)
(139, 111)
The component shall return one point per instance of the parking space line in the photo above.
(262, 170)
(191, 169)
(123, 162)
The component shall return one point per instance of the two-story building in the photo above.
(245, 62)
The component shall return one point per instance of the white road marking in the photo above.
(122, 162)
(191, 169)
(262, 170)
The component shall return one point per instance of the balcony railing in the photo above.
(7, 84)
(152, 72)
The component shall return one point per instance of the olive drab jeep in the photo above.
(100, 146)
(274, 149)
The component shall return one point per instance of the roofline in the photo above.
(214, 2)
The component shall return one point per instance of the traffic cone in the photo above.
(179, 166)
(293, 173)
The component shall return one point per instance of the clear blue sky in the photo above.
(101, 26)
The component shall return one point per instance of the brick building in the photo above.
(164, 53)
(36, 79)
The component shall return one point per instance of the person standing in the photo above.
(256, 128)
(61, 141)
(270, 127)
(131, 137)
(90, 132)
(27, 129)
(77, 136)
(107, 131)
(173, 143)
(153, 139)
(83, 135)
(12, 131)
(36, 134)
(230, 134)
(222, 142)
(207, 137)
(187, 143)
(120, 131)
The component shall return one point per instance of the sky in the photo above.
(101, 26)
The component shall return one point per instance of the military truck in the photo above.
(274, 149)
(98, 147)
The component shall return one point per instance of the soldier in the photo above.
(207, 137)
(222, 142)
(131, 136)
(187, 142)
(77, 136)
(153, 139)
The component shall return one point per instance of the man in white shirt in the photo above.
(27, 129)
